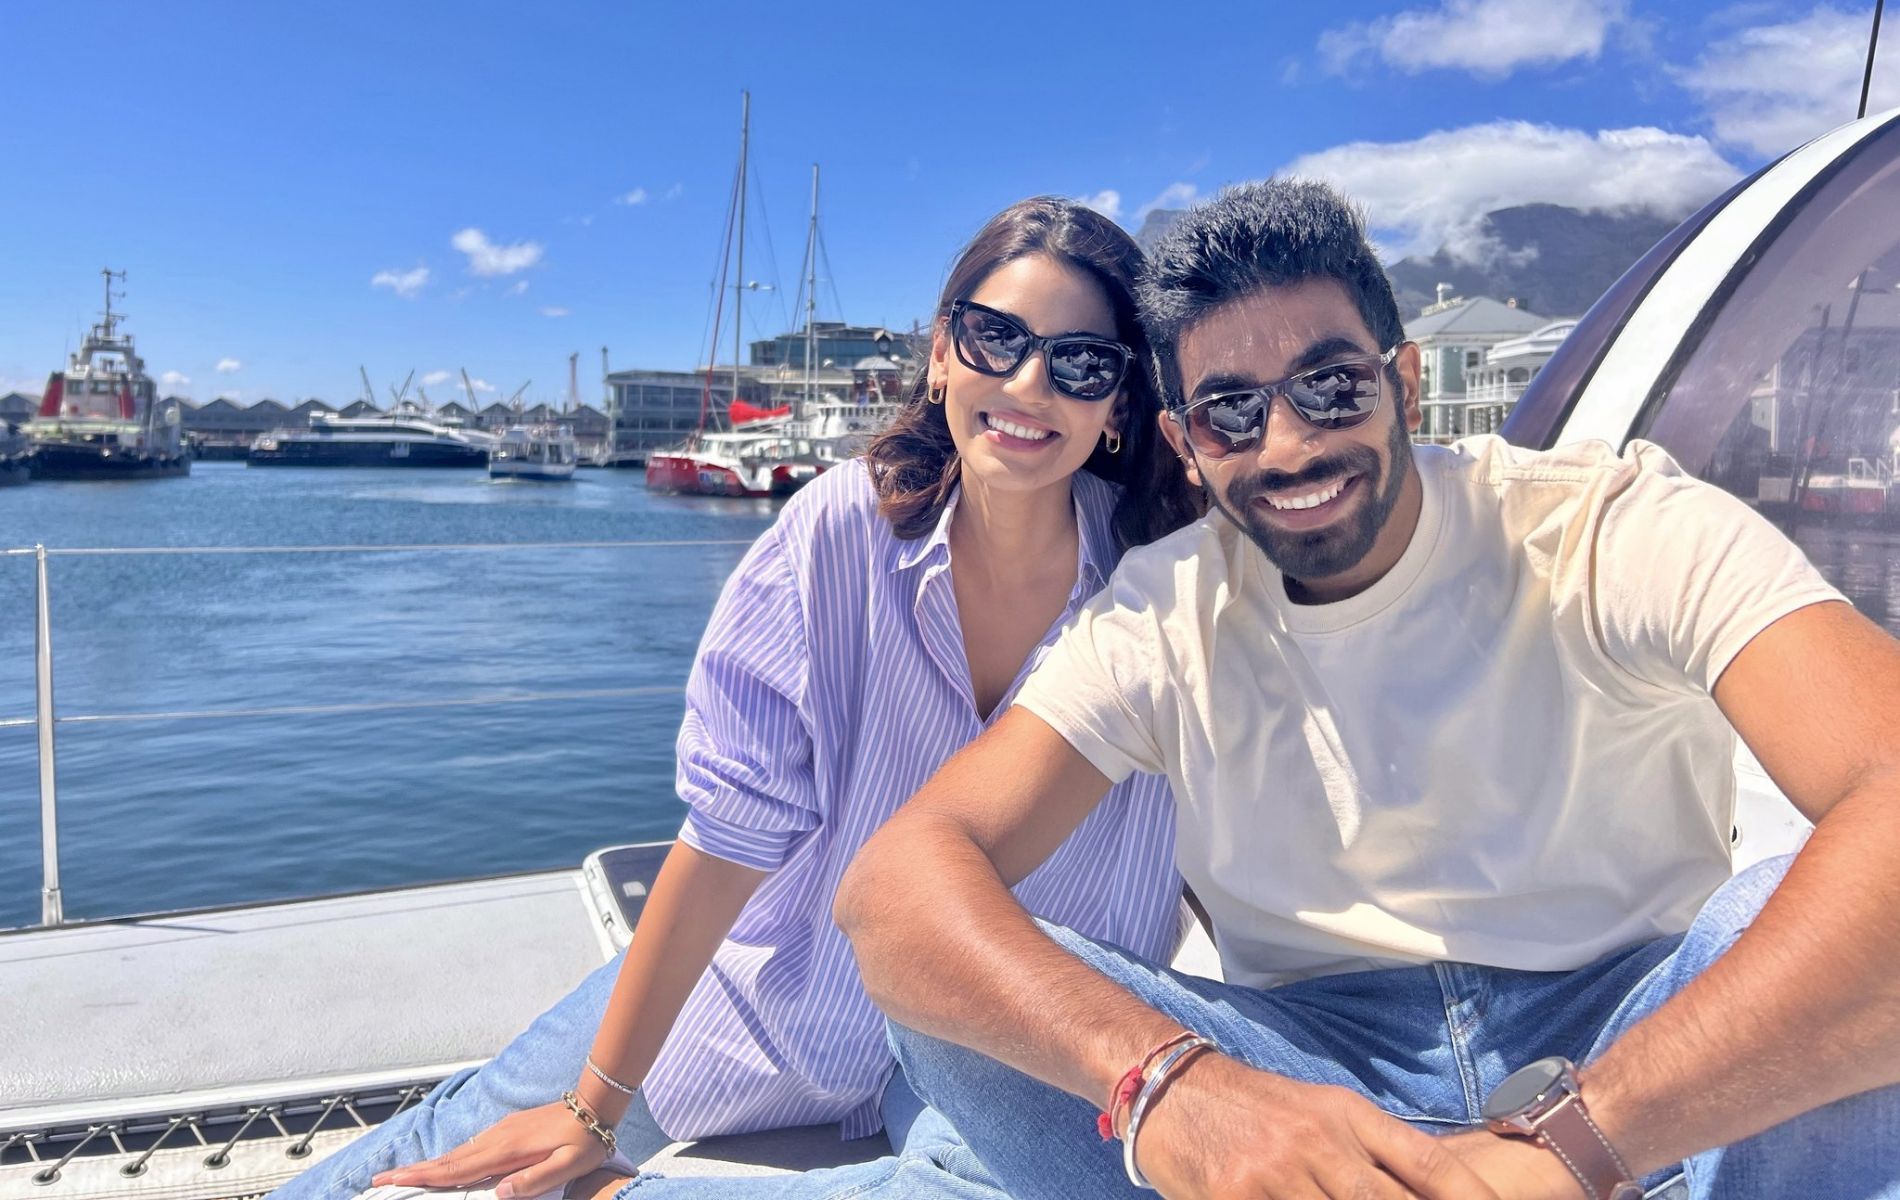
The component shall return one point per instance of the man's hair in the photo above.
(1254, 236)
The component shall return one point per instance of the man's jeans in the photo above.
(543, 1062)
(1426, 1044)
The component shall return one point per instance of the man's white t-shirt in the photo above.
(1503, 752)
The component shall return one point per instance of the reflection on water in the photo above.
(1863, 563)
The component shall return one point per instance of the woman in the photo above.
(878, 626)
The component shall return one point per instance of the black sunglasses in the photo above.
(1081, 366)
(1339, 395)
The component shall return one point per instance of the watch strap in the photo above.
(1568, 1132)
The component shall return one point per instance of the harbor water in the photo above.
(198, 807)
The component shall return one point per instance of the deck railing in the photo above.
(46, 722)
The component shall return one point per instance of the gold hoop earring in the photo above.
(1113, 441)
(936, 393)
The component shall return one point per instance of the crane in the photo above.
(369, 389)
(395, 395)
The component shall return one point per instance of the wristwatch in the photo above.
(1544, 1102)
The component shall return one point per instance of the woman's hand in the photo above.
(532, 1153)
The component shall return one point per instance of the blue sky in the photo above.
(297, 189)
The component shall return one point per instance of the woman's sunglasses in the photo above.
(1338, 395)
(994, 343)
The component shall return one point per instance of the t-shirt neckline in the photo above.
(1342, 614)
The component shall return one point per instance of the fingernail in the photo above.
(505, 1190)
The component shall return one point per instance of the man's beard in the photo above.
(1323, 553)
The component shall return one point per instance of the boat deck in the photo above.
(221, 1051)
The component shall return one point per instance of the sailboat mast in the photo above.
(811, 295)
(738, 296)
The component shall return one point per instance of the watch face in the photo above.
(1525, 1088)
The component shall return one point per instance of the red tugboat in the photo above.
(100, 418)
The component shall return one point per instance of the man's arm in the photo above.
(960, 960)
(1805, 1008)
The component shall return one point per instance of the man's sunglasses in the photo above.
(994, 343)
(1338, 395)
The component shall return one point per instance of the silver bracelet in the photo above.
(607, 1079)
(1146, 1096)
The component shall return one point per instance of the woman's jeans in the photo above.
(1426, 1044)
(543, 1062)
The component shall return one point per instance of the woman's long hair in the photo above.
(915, 462)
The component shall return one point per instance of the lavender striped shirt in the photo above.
(831, 683)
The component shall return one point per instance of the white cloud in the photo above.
(1430, 192)
(552, 311)
(228, 365)
(518, 287)
(675, 192)
(480, 385)
(1487, 38)
(1175, 195)
(174, 379)
(487, 258)
(1772, 87)
(636, 196)
(1108, 202)
(404, 283)
(435, 378)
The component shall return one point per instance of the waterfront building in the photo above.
(1492, 390)
(17, 408)
(656, 409)
(1454, 335)
(833, 343)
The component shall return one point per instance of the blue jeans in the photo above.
(931, 1163)
(1426, 1044)
(543, 1062)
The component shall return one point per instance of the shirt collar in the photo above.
(1094, 501)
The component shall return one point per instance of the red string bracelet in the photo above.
(1130, 1083)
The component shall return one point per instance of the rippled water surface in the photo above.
(191, 810)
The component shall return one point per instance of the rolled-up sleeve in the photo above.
(745, 747)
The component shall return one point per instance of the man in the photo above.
(1450, 735)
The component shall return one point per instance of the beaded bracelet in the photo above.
(1148, 1092)
(586, 1117)
(607, 1079)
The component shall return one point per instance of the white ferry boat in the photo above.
(408, 437)
(100, 418)
(212, 1054)
(539, 452)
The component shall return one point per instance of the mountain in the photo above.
(1552, 259)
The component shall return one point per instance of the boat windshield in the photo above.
(1789, 398)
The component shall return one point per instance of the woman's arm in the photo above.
(694, 902)
(693, 905)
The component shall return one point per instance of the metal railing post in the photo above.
(52, 907)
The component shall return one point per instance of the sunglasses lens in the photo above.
(1336, 397)
(990, 342)
(1087, 370)
(1228, 424)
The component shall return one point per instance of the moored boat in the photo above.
(16, 456)
(100, 418)
(408, 437)
(543, 453)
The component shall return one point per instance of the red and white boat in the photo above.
(100, 417)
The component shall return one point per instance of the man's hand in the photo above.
(1222, 1130)
(532, 1152)
(1516, 1168)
